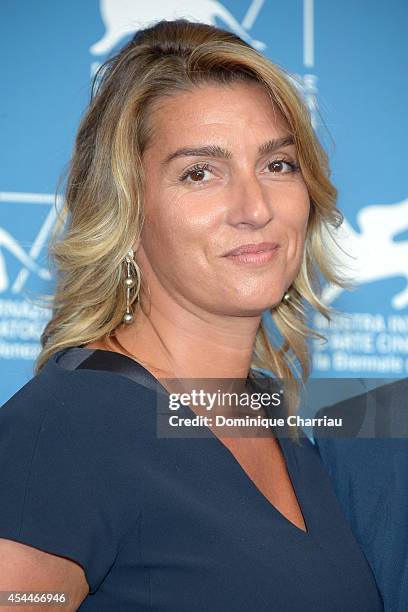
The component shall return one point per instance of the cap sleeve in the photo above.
(60, 485)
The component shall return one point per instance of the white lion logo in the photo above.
(375, 254)
(123, 17)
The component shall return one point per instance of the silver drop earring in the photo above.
(129, 284)
(286, 298)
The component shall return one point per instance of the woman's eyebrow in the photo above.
(270, 146)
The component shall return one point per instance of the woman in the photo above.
(196, 197)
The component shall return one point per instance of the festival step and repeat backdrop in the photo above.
(350, 60)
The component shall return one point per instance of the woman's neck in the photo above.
(183, 344)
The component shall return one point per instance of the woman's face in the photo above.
(199, 205)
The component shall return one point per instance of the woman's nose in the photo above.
(250, 202)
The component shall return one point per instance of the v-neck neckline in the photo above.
(150, 381)
(289, 464)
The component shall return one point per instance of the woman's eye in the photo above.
(196, 173)
(278, 166)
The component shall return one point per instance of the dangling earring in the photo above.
(286, 298)
(129, 284)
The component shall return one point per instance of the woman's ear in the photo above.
(136, 245)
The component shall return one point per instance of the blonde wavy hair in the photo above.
(102, 214)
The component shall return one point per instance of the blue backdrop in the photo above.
(351, 58)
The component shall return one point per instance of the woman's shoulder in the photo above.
(75, 426)
(71, 458)
(74, 399)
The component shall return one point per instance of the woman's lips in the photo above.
(253, 253)
(254, 258)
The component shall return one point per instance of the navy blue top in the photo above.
(161, 524)
(370, 476)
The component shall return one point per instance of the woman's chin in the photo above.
(245, 307)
